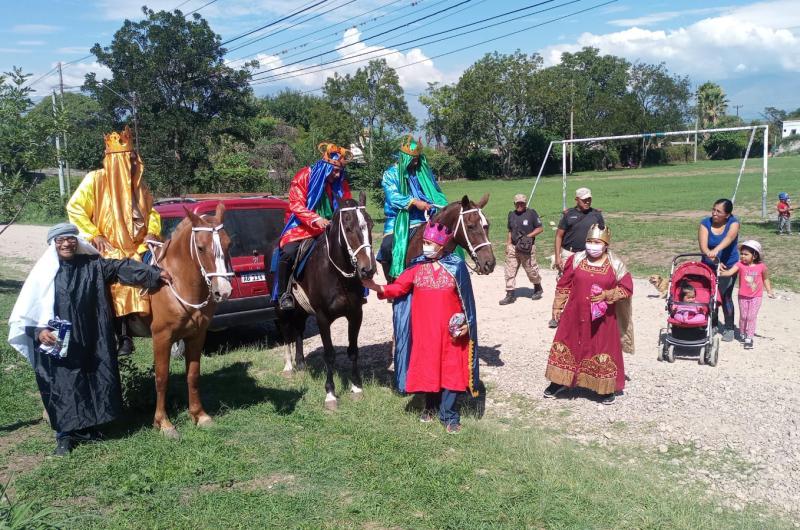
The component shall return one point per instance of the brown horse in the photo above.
(196, 258)
(331, 281)
(470, 231)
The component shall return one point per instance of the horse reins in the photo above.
(353, 253)
(473, 249)
(219, 262)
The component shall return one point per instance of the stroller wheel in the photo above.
(713, 351)
(670, 354)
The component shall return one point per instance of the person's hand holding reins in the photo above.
(321, 222)
(420, 205)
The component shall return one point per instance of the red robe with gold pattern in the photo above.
(436, 361)
(588, 353)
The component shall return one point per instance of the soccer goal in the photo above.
(646, 136)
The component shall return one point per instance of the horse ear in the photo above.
(481, 203)
(220, 213)
(465, 203)
(192, 216)
(362, 199)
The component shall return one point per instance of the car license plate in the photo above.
(253, 277)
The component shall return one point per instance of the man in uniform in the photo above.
(523, 227)
(314, 195)
(411, 190)
(63, 324)
(113, 209)
(572, 229)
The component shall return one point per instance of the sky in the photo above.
(750, 48)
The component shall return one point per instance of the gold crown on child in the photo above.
(603, 234)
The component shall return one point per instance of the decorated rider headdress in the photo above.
(437, 233)
(335, 155)
(603, 234)
(119, 142)
(410, 146)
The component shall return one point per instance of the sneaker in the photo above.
(553, 324)
(453, 428)
(608, 399)
(553, 390)
(748, 343)
(63, 446)
(125, 346)
(286, 302)
(537, 292)
(509, 299)
(427, 416)
(727, 335)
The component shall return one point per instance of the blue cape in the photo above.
(401, 319)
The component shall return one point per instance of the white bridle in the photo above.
(219, 262)
(362, 223)
(473, 249)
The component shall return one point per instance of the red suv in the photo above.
(254, 225)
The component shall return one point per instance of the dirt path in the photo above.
(734, 427)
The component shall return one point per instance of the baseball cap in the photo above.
(520, 197)
(583, 193)
(783, 196)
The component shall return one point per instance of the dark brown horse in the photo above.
(196, 258)
(470, 231)
(331, 288)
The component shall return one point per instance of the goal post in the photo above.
(752, 128)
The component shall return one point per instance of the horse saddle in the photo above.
(303, 253)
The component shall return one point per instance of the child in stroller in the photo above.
(687, 311)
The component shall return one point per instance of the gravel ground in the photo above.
(733, 427)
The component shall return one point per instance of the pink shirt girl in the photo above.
(751, 280)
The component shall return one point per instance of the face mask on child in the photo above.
(429, 251)
(595, 250)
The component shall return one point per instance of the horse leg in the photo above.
(353, 327)
(192, 354)
(161, 347)
(330, 358)
(288, 346)
(299, 356)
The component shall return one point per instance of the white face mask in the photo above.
(595, 250)
(429, 250)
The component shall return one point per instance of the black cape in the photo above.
(83, 389)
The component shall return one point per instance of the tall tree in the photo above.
(373, 100)
(711, 104)
(172, 69)
(438, 99)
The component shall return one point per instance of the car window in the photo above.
(253, 231)
(168, 225)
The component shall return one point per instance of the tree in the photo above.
(23, 138)
(173, 71)
(290, 106)
(711, 104)
(372, 101)
(438, 99)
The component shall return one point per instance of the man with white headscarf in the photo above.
(77, 373)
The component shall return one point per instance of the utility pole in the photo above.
(66, 148)
(737, 107)
(696, 126)
(571, 124)
(58, 151)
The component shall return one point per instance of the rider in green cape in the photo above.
(411, 190)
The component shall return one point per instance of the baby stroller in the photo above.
(696, 332)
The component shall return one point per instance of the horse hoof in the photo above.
(331, 404)
(357, 395)
(171, 433)
(204, 421)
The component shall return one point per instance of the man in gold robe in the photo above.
(113, 208)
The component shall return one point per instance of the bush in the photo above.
(444, 165)
(481, 165)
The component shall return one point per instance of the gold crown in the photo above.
(603, 234)
(119, 142)
(328, 150)
(406, 146)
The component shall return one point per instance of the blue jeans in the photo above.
(445, 401)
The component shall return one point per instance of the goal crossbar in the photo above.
(565, 142)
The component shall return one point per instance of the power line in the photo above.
(291, 74)
(43, 76)
(199, 8)
(299, 11)
(363, 40)
(302, 21)
(550, 21)
(181, 5)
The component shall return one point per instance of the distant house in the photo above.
(790, 127)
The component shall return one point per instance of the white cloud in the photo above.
(655, 18)
(31, 43)
(74, 76)
(414, 69)
(35, 29)
(761, 37)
